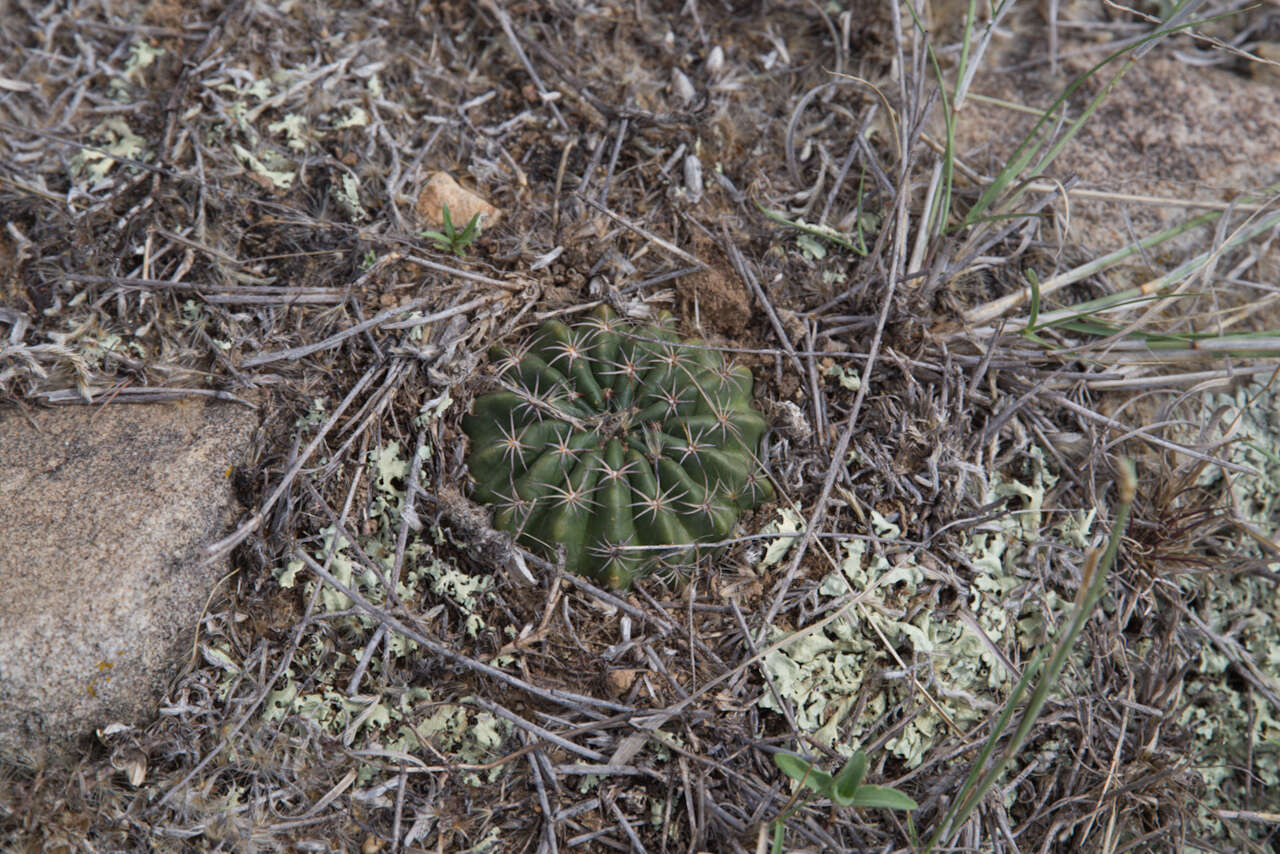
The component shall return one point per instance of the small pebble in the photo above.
(693, 178)
(715, 62)
(681, 88)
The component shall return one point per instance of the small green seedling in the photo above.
(845, 788)
(452, 240)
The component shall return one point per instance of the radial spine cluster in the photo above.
(629, 448)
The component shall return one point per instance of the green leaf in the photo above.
(801, 770)
(450, 239)
(883, 797)
(469, 233)
(847, 782)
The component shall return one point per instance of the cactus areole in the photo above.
(630, 449)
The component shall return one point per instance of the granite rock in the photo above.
(106, 514)
(441, 190)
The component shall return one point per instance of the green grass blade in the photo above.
(1091, 592)
(1033, 281)
(936, 216)
(998, 307)
(1151, 290)
(997, 730)
(1036, 138)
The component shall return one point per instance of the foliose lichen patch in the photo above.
(388, 713)
(1236, 729)
(842, 678)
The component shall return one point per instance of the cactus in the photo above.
(622, 444)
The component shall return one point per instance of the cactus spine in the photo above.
(622, 444)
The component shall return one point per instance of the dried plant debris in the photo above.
(229, 200)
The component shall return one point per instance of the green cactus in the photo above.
(628, 447)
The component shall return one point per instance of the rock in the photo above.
(1267, 71)
(715, 61)
(106, 512)
(693, 178)
(619, 682)
(463, 204)
(681, 87)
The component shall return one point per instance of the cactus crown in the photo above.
(619, 442)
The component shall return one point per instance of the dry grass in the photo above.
(223, 253)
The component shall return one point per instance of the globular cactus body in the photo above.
(622, 444)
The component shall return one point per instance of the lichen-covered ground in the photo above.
(225, 197)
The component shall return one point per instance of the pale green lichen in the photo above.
(280, 171)
(250, 99)
(390, 467)
(433, 409)
(789, 522)
(141, 57)
(294, 127)
(473, 737)
(828, 673)
(356, 117)
(383, 717)
(347, 193)
(112, 138)
(848, 379)
(1236, 730)
(316, 414)
(464, 590)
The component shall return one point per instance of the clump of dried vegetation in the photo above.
(219, 199)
